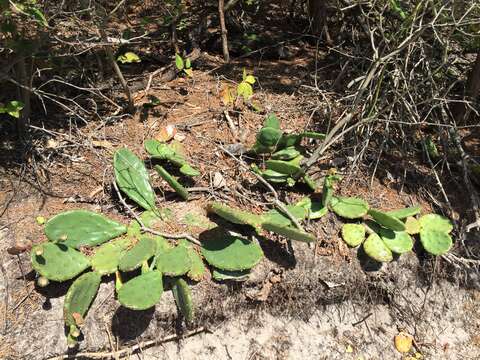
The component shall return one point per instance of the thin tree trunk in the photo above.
(226, 55)
(473, 89)
(25, 95)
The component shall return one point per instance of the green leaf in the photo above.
(250, 79)
(38, 15)
(128, 57)
(12, 108)
(179, 62)
(244, 75)
(245, 90)
(132, 178)
(188, 64)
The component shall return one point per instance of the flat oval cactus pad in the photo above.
(142, 292)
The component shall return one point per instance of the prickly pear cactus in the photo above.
(222, 275)
(376, 249)
(132, 178)
(142, 292)
(435, 242)
(197, 268)
(58, 262)
(328, 190)
(78, 299)
(291, 167)
(349, 207)
(405, 213)
(276, 217)
(183, 298)
(388, 221)
(180, 190)
(289, 232)
(412, 226)
(353, 234)
(174, 262)
(188, 170)
(106, 258)
(286, 154)
(315, 209)
(236, 216)
(143, 250)
(398, 242)
(77, 228)
(435, 222)
(231, 252)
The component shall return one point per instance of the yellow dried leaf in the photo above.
(403, 342)
(166, 133)
(227, 95)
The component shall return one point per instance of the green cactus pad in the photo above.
(58, 262)
(435, 242)
(180, 190)
(289, 140)
(286, 154)
(291, 167)
(188, 170)
(376, 249)
(353, 234)
(231, 252)
(327, 191)
(222, 275)
(398, 242)
(272, 121)
(269, 137)
(134, 229)
(161, 151)
(435, 222)
(412, 226)
(310, 182)
(79, 297)
(77, 228)
(313, 135)
(106, 258)
(174, 262)
(289, 232)
(349, 207)
(197, 269)
(142, 292)
(143, 250)
(405, 213)
(386, 220)
(235, 216)
(277, 217)
(274, 176)
(132, 178)
(183, 298)
(315, 209)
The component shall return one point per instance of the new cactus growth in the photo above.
(231, 252)
(106, 258)
(78, 300)
(222, 275)
(327, 192)
(174, 262)
(353, 234)
(77, 228)
(236, 216)
(141, 292)
(434, 234)
(288, 232)
(180, 190)
(132, 178)
(58, 262)
(376, 249)
(398, 242)
(405, 213)
(183, 298)
(143, 250)
(388, 221)
(349, 207)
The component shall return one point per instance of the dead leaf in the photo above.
(103, 144)
(180, 137)
(218, 180)
(19, 248)
(227, 95)
(166, 133)
(403, 342)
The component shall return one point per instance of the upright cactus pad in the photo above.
(388, 221)
(349, 207)
(143, 250)
(269, 137)
(197, 268)
(179, 189)
(272, 121)
(236, 216)
(435, 222)
(405, 213)
(412, 225)
(398, 242)
(328, 190)
(106, 258)
(77, 228)
(222, 275)
(289, 232)
(435, 242)
(78, 299)
(183, 298)
(132, 178)
(58, 262)
(231, 252)
(174, 262)
(376, 249)
(353, 234)
(142, 292)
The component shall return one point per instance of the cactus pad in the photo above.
(78, 299)
(291, 167)
(183, 298)
(142, 292)
(231, 252)
(349, 207)
(289, 232)
(315, 209)
(435, 242)
(174, 262)
(412, 225)
(82, 228)
(143, 250)
(353, 234)
(269, 137)
(179, 189)
(58, 262)
(274, 176)
(188, 170)
(435, 222)
(197, 268)
(272, 121)
(235, 216)
(222, 275)
(398, 242)
(376, 249)
(286, 154)
(106, 258)
(132, 178)
(276, 217)
(388, 221)
(405, 213)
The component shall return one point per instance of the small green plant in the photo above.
(12, 108)
(128, 58)
(183, 65)
(245, 89)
